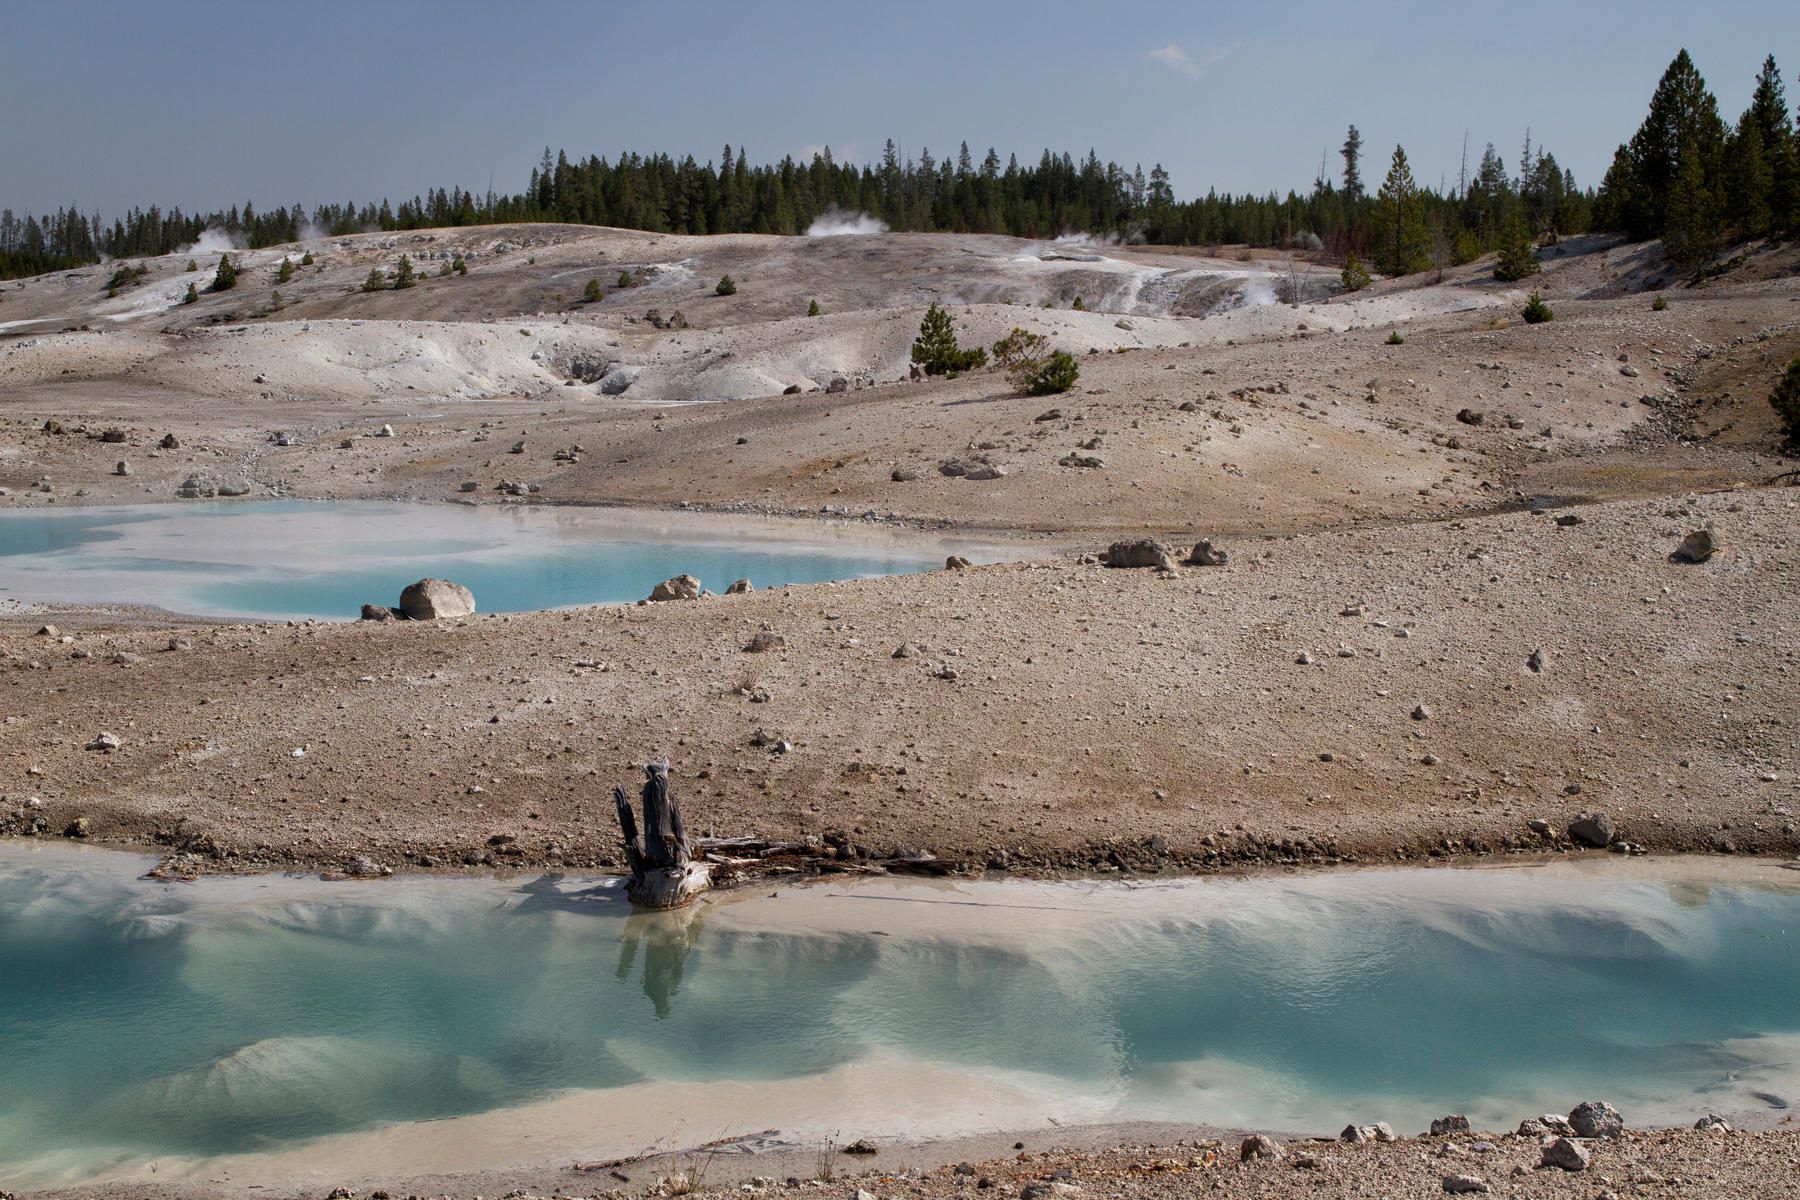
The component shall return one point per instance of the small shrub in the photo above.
(1785, 400)
(403, 274)
(286, 271)
(1660, 304)
(376, 282)
(591, 292)
(124, 277)
(1078, 306)
(1394, 339)
(1015, 348)
(1536, 312)
(726, 286)
(306, 260)
(625, 279)
(444, 269)
(193, 294)
(225, 277)
(812, 310)
(462, 268)
(275, 304)
(192, 266)
(1056, 372)
(1354, 277)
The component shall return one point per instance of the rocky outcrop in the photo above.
(1145, 552)
(435, 599)
(681, 587)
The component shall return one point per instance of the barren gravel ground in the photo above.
(1055, 714)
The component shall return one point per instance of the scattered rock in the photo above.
(1260, 1146)
(385, 431)
(1454, 1123)
(838, 384)
(381, 612)
(1536, 662)
(1567, 1154)
(1145, 552)
(126, 658)
(122, 468)
(765, 641)
(1458, 1184)
(1303, 658)
(1596, 1119)
(364, 867)
(984, 472)
(1054, 414)
(105, 742)
(906, 650)
(113, 436)
(1696, 547)
(1471, 416)
(49, 631)
(170, 442)
(903, 475)
(681, 587)
(1713, 1123)
(435, 599)
(1591, 829)
(1568, 519)
(80, 827)
(180, 644)
(740, 587)
(1421, 713)
(792, 389)
(1203, 555)
(1085, 461)
(957, 562)
(1628, 371)
(861, 1146)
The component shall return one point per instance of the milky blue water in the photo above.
(140, 1019)
(295, 559)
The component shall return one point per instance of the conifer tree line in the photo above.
(1684, 176)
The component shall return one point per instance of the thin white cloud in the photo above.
(1178, 59)
(1173, 56)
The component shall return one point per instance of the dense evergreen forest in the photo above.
(1685, 176)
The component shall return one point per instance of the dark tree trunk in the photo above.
(663, 873)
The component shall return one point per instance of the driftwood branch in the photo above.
(663, 871)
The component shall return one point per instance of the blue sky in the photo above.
(205, 105)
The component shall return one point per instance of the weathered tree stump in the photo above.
(663, 873)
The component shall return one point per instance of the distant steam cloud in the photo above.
(1070, 240)
(1259, 291)
(836, 223)
(217, 241)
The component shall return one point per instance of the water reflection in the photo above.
(666, 939)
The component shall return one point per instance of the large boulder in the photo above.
(682, 587)
(1145, 552)
(1592, 829)
(1564, 1153)
(432, 599)
(1596, 1119)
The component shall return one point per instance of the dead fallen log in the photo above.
(663, 871)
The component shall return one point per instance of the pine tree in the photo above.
(1516, 259)
(225, 277)
(1402, 244)
(1536, 312)
(286, 272)
(1352, 152)
(1785, 399)
(403, 273)
(591, 293)
(812, 310)
(936, 350)
(192, 295)
(1768, 111)
(1355, 277)
(376, 282)
(306, 260)
(727, 286)
(462, 267)
(1683, 124)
